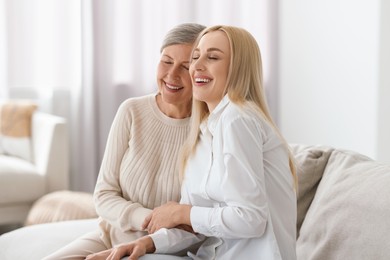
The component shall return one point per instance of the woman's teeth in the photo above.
(201, 80)
(172, 87)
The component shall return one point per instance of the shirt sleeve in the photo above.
(172, 241)
(110, 204)
(242, 211)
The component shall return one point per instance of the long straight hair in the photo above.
(244, 86)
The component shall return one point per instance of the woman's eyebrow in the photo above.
(166, 55)
(209, 49)
(214, 49)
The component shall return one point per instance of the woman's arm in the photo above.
(170, 226)
(147, 244)
(169, 215)
(134, 250)
(237, 184)
(109, 201)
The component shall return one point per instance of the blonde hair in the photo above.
(244, 85)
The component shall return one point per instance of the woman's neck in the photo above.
(177, 111)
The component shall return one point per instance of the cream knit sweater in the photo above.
(138, 171)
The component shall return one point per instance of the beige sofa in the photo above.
(23, 181)
(343, 205)
(343, 211)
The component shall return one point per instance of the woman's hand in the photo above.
(99, 256)
(187, 228)
(134, 250)
(169, 215)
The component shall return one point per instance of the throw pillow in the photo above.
(349, 215)
(311, 162)
(15, 128)
(61, 206)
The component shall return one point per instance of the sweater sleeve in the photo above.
(110, 204)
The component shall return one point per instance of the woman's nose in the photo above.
(198, 64)
(174, 72)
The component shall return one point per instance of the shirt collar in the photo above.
(211, 121)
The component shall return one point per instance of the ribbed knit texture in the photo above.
(139, 168)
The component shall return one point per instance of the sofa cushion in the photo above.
(15, 128)
(60, 206)
(349, 215)
(311, 162)
(16, 172)
(38, 241)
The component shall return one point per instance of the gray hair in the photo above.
(185, 33)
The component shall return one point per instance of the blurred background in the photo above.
(326, 65)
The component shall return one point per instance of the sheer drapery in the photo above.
(3, 56)
(81, 59)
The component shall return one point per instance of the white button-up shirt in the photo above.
(241, 188)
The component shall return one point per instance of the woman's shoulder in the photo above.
(135, 106)
(138, 101)
(248, 117)
(245, 114)
(245, 111)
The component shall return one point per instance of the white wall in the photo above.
(383, 138)
(332, 83)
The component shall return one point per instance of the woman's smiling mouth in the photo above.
(172, 87)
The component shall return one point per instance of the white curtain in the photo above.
(81, 59)
(3, 56)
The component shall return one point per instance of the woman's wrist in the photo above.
(148, 242)
(185, 214)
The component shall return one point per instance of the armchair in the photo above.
(22, 182)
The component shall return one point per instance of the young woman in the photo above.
(238, 193)
(138, 171)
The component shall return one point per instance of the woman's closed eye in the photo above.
(195, 57)
(167, 61)
(210, 57)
